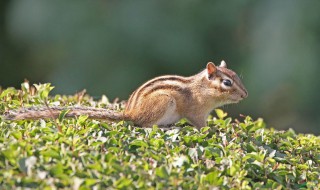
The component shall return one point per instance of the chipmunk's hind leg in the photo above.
(198, 120)
(159, 110)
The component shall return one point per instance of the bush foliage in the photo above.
(81, 153)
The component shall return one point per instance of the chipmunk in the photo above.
(163, 100)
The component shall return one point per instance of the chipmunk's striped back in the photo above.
(167, 82)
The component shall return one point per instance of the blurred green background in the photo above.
(111, 47)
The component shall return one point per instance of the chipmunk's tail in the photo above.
(34, 113)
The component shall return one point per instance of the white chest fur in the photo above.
(170, 116)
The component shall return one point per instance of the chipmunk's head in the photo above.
(225, 83)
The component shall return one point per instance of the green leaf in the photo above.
(7, 92)
(227, 121)
(213, 178)
(255, 156)
(162, 172)
(123, 182)
(90, 181)
(204, 129)
(57, 170)
(193, 153)
(158, 143)
(139, 143)
(44, 90)
(51, 153)
(17, 135)
(220, 113)
(179, 161)
(62, 114)
(289, 133)
(9, 153)
(22, 165)
(25, 87)
(81, 120)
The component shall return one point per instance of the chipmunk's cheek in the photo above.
(235, 98)
(228, 98)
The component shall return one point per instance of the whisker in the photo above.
(241, 76)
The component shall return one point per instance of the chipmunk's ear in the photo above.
(223, 64)
(211, 68)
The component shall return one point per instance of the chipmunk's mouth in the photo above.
(231, 101)
(235, 99)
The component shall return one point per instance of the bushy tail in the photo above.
(34, 113)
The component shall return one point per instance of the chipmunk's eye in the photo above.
(227, 82)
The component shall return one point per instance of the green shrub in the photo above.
(84, 153)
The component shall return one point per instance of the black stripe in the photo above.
(130, 99)
(185, 91)
(172, 78)
(152, 82)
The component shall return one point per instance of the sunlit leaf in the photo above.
(62, 114)
(220, 113)
(162, 172)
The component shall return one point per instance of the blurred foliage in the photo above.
(80, 153)
(111, 47)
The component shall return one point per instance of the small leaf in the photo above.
(81, 120)
(90, 181)
(213, 178)
(17, 135)
(179, 161)
(123, 182)
(157, 142)
(7, 91)
(193, 153)
(233, 170)
(62, 115)
(162, 172)
(227, 121)
(9, 154)
(57, 170)
(204, 129)
(25, 86)
(44, 90)
(22, 165)
(220, 113)
(104, 100)
(139, 143)
(289, 133)
(51, 153)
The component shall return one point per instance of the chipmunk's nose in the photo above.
(245, 94)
